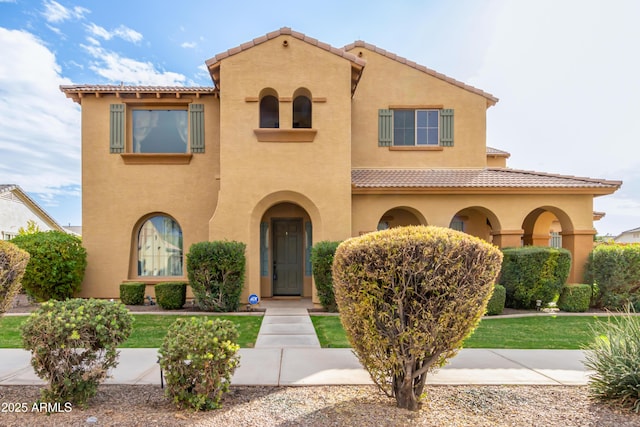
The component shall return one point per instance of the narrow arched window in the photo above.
(269, 112)
(302, 112)
(160, 247)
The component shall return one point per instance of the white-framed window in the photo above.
(416, 127)
(7, 235)
(160, 247)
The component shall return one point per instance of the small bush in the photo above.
(171, 295)
(73, 345)
(533, 273)
(132, 293)
(198, 357)
(56, 267)
(615, 269)
(321, 261)
(575, 298)
(495, 305)
(613, 357)
(408, 297)
(13, 262)
(216, 274)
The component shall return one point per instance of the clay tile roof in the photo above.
(284, 31)
(491, 100)
(473, 179)
(497, 153)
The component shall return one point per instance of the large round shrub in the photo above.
(321, 261)
(198, 357)
(216, 274)
(13, 262)
(615, 270)
(56, 267)
(408, 297)
(73, 345)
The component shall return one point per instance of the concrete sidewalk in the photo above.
(316, 366)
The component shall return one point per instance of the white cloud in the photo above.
(55, 12)
(40, 142)
(121, 31)
(115, 68)
(188, 45)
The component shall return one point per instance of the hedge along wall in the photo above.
(615, 270)
(533, 273)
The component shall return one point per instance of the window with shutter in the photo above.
(117, 127)
(415, 127)
(196, 136)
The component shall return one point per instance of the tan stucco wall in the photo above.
(116, 197)
(256, 175)
(386, 82)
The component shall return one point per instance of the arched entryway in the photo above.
(400, 217)
(544, 227)
(286, 238)
(476, 221)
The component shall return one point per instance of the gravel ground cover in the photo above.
(131, 405)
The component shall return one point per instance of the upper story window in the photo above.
(417, 127)
(159, 131)
(302, 112)
(269, 112)
(149, 133)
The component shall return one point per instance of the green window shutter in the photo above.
(116, 126)
(264, 249)
(307, 250)
(446, 128)
(196, 134)
(385, 128)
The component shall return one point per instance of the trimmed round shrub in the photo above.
(408, 297)
(533, 273)
(216, 274)
(171, 295)
(132, 293)
(73, 345)
(575, 298)
(322, 261)
(13, 262)
(198, 357)
(57, 264)
(613, 357)
(495, 305)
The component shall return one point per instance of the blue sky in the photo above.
(566, 73)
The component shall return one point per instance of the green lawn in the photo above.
(538, 332)
(148, 330)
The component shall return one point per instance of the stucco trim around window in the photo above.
(156, 158)
(415, 148)
(285, 135)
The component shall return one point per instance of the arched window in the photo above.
(160, 247)
(302, 112)
(269, 112)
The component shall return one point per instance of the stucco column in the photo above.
(580, 244)
(540, 239)
(507, 238)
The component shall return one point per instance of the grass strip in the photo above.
(148, 330)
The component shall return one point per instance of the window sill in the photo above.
(416, 148)
(156, 159)
(285, 135)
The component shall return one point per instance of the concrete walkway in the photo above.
(287, 352)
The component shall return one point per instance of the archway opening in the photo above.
(476, 221)
(400, 217)
(544, 227)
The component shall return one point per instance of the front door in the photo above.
(287, 257)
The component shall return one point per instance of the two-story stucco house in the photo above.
(297, 142)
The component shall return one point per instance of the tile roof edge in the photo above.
(556, 175)
(133, 88)
(424, 69)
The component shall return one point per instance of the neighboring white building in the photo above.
(629, 236)
(17, 209)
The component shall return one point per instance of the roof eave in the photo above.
(482, 190)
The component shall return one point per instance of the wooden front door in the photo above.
(287, 257)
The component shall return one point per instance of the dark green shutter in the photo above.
(385, 128)
(196, 134)
(307, 249)
(446, 128)
(264, 249)
(116, 126)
